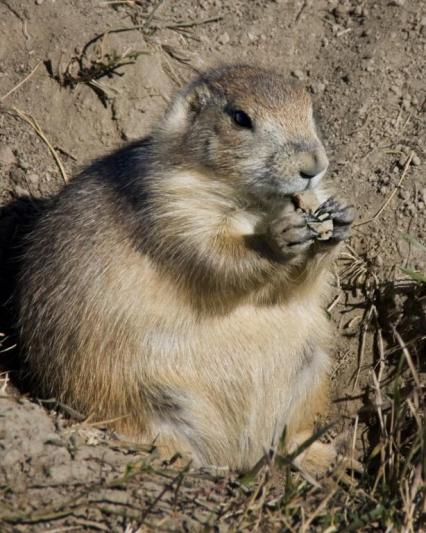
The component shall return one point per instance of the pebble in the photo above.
(7, 157)
(396, 89)
(340, 11)
(424, 195)
(415, 160)
(411, 208)
(317, 87)
(39, 2)
(23, 164)
(20, 191)
(298, 74)
(224, 38)
(404, 195)
(383, 189)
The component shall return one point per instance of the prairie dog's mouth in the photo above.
(284, 190)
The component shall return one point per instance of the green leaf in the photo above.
(416, 276)
(414, 242)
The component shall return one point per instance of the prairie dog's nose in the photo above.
(313, 163)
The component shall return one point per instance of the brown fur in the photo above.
(158, 288)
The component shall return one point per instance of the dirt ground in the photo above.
(363, 61)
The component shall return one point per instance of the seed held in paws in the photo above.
(322, 224)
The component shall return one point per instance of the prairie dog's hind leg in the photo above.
(318, 458)
(311, 399)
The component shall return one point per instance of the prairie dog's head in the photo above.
(249, 127)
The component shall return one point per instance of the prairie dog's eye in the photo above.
(242, 119)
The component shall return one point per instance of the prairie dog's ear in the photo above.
(186, 104)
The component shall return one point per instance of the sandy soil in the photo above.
(364, 62)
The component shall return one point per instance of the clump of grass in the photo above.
(414, 274)
(94, 62)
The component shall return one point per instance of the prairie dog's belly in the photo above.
(243, 373)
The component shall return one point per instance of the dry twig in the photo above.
(20, 83)
(35, 125)
(389, 198)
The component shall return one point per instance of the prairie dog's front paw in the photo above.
(289, 233)
(342, 217)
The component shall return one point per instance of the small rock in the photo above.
(39, 2)
(396, 89)
(7, 157)
(415, 160)
(340, 11)
(298, 74)
(23, 164)
(411, 208)
(317, 87)
(383, 189)
(398, 3)
(404, 195)
(424, 195)
(20, 191)
(224, 38)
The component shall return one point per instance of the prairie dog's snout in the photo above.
(313, 164)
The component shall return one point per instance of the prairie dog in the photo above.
(174, 285)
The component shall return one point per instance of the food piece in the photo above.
(321, 224)
(307, 201)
